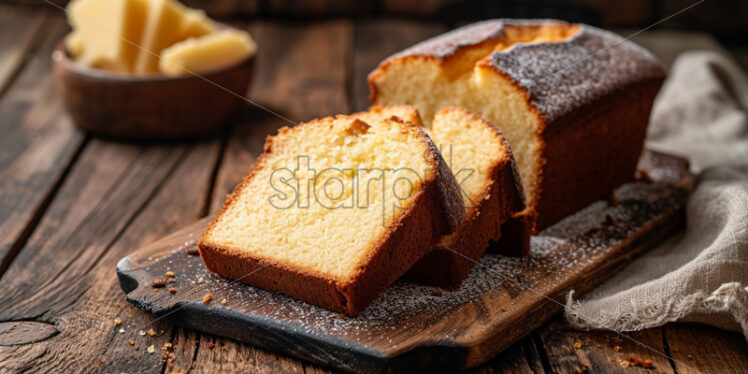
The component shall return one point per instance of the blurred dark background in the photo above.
(724, 20)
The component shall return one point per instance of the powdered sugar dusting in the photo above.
(560, 76)
(564, 76)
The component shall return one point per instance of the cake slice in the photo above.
(482, 163)
(334, 211)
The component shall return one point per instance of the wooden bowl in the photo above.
(153, 107)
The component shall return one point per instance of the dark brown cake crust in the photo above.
(435, 212)
(515, 236)
(594, 149)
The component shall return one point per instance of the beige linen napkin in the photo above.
(700, 275)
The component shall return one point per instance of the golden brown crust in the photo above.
(381, 110)
(447, 267)
(435, 211)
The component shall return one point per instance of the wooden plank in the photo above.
(420, 8)
(317, 8)
(696, 348)
(105, 189)
(501, 301)
(181, 199)
(38, 142)
(570, 351)
(301, 74)
(374, 40)
(520, 358)
(226, 8)
(219, 355)
(117, 196)
(20, 33)
(104, 192)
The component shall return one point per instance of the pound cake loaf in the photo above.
(334, 211)
(572, 100)
(482, 163)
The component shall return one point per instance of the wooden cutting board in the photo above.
(412, 327)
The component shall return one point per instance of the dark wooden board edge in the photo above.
(278, 336)
(327, 350)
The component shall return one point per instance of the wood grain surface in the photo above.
(72, 205)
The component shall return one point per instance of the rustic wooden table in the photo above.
(72, 205)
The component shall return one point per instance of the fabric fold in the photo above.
(701, 274)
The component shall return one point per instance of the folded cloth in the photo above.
(701, 274)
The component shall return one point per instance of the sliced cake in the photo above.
(572, 100)
(334, 211)
(483, 165)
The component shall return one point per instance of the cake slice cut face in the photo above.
(334, 211)
(483, 165)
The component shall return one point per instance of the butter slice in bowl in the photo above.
(210, 52)
(107, 69)
(106, 33)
